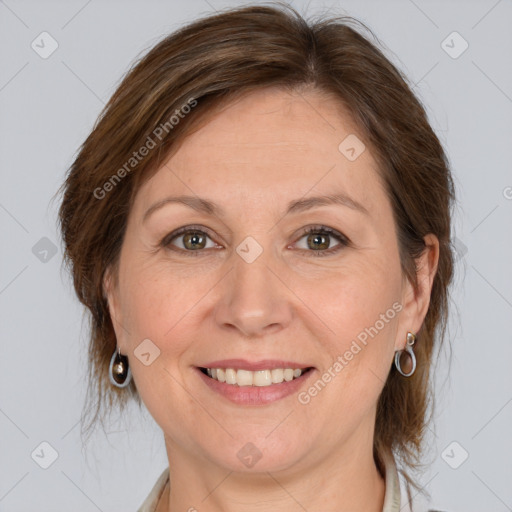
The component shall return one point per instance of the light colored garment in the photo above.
(151, 501)
(395, 499)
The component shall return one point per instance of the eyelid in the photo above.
(166, 240)
(325, 229)
(342, 239)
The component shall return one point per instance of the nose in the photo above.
(253, 299)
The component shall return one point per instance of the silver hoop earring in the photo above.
(411, 338)
(119, 371)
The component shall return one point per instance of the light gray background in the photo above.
(48, 106)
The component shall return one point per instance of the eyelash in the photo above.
(344, 241)
(324, 230)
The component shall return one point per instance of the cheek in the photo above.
(157, 299)
(165, 306)
(155, 308)
(351, 299)
(359, 308)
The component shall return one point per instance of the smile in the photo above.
(260, 378)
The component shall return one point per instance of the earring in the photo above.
(119, 371)
(411, 338)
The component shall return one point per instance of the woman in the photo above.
(259, 224)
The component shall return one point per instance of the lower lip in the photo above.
(255, 395)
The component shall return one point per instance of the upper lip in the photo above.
(263, 364)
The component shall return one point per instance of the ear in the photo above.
(416, 302)
(111, 294)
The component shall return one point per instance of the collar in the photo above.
(392, 494)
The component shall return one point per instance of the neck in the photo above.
(340, 484)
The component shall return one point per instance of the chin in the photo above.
(259, 453)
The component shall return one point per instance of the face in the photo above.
(252, 273)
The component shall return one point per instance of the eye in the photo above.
(189, 239)
(319, 238)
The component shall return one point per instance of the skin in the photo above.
(252, 158)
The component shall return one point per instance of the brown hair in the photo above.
(209, 62)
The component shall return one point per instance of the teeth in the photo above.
(244, 378)
(230, 376)
(277, 375)
(260, 378)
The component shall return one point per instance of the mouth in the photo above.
(259, 378)
(254, 383)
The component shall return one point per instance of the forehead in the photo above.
(267, 145)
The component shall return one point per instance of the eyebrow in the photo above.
(299, 205)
